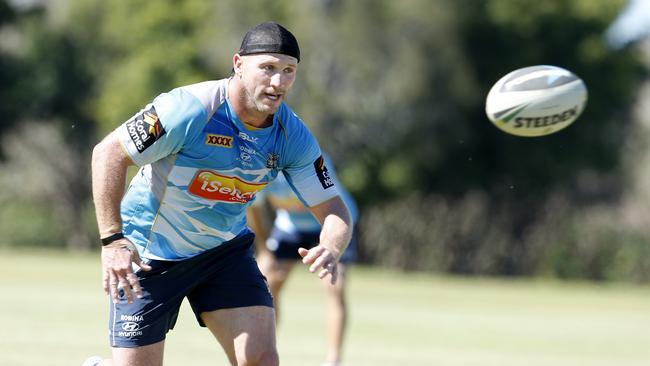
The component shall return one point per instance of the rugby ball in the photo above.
(536, 101)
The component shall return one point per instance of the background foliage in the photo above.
(394, 91)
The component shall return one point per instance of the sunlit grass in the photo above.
(53, 312)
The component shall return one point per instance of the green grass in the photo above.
(53, 312)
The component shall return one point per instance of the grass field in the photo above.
(53, 312)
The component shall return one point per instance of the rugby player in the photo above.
(179, 230)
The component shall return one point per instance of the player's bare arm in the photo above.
(335, 235)
(109, 169)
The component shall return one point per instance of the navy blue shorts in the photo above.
(285, 245)
(221, 278)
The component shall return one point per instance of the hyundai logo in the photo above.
(130, 326)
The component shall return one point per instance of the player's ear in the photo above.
(237, 62)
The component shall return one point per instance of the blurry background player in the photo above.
(295, 227)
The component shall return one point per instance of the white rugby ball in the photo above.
(536, 100)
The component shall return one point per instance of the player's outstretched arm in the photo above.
(109, 168)
(335, 236)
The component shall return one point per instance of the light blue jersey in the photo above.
(201, 168)
(291, 215)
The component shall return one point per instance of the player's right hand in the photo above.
(321, 259)
(117, 270)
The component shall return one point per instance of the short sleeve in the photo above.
(307, 172)
(162, 127)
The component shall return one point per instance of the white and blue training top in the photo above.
(201, 167)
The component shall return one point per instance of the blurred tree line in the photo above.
(393, 89)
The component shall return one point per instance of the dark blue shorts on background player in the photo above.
(221, 278)
(284, 245)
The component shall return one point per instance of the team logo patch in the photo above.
(272, 161)
(213, 186)
(219, 140)
(145, 128)
(323, 175)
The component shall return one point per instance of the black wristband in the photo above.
(112, 238)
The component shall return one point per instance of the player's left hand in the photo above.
(323, 259)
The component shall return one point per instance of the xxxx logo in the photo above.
(219, 140)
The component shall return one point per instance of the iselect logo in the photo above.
(213, 186)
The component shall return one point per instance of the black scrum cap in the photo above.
(270, 37)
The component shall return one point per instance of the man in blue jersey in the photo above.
(179, 230)
(277, 245)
